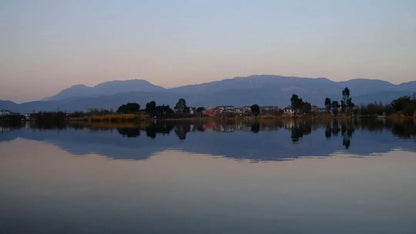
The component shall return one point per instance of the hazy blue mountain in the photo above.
(366, 86)
(410, 86)
(240, 91)
(106, 89)
(277, 90)
(8, 105)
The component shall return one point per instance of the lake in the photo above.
(209, 177)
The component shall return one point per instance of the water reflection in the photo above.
(129, 132)
(299, 129)
(258, 140)
(163, 128)
(347, 128)
(52, 191)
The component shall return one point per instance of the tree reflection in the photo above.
(328, 130)
(181, 130)
(129, 132)
(405, 129)
(346, 127)
(335, 127)
(346, 130)
(300, 129)
(255, 127)
(45, 125)
(200, 127)
(163, 128)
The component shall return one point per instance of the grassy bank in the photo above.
(112, 118)
(134, 119)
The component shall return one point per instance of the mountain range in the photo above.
(239, 91)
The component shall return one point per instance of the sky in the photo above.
(46, 46)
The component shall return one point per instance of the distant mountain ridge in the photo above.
(239, 91)
(106, 88)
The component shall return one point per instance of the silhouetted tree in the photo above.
(299, 106)
(295, 103)
(255, 109)
(154, 110)
(328, 104)
(335, 107)
(346, 102)
(374, 109)
(199, 111)
(405, 105)
(129, 108)
(49, 120)
(181, 107)
(306, 107)
(163, 110)
(12, 120)
(151, 108)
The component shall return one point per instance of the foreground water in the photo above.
(209, 178)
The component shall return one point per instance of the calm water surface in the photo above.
(209, 178)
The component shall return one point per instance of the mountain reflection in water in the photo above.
(264, 140)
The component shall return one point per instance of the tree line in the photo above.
(404, 106)
(155, 110)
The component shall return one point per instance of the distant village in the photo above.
(247, 110)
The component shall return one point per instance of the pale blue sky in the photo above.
(46, 46)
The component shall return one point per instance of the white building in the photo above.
(5, 112)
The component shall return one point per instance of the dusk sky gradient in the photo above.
(46, 46)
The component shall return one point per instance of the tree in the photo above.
(255, 109)
(154, 110)
(151, 107)
(299, 106)
(405, 105)
(296, 102)
(200, 110)
(181, 107)
(306, 107)
(335, 107)
(346, 103)
(328, 104)
(163, 110)
(129, 108)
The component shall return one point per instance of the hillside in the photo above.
(106, 88)
(239, 91)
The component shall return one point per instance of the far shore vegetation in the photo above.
(401, 108)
